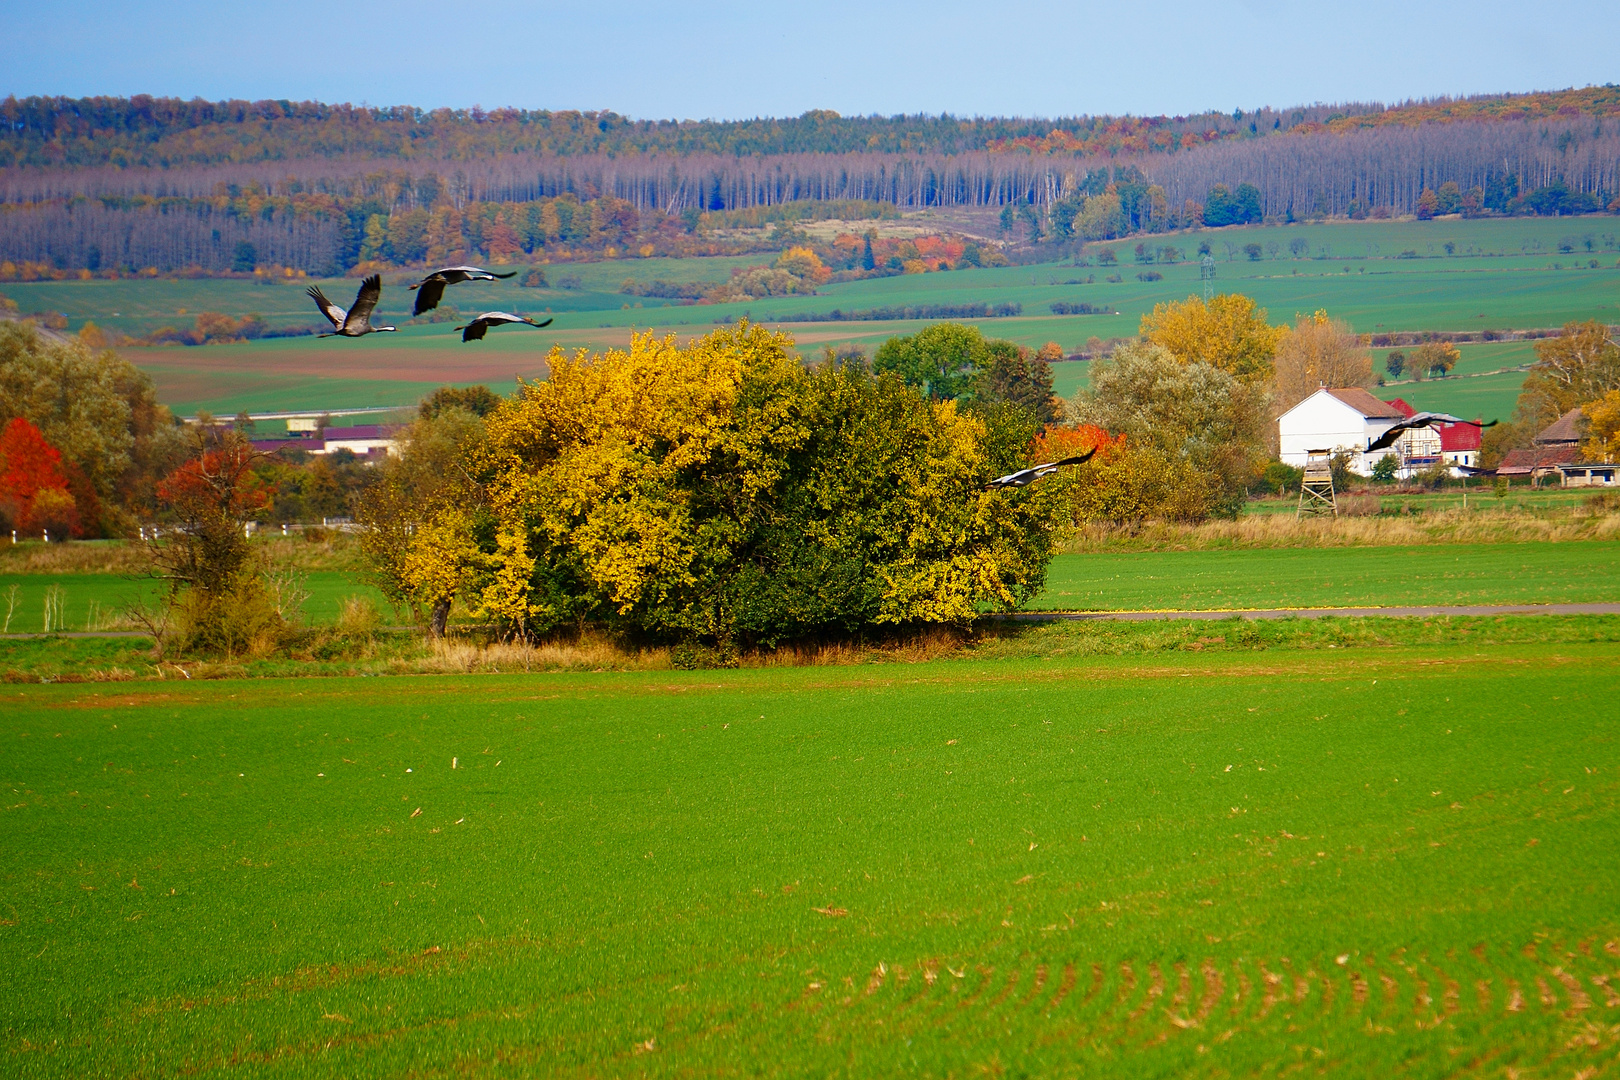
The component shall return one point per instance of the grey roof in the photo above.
(1566, 429)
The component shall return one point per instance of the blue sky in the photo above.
(727, 60)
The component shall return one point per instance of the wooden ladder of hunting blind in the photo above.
(1316, 494)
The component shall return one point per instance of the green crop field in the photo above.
(1519, 573)
(1381, 276)
(84, 602)
(1379, 861)
(1534, 573)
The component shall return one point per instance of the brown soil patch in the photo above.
(1065, 988)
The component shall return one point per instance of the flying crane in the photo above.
(1026, 477)
(355, 322)
(474, 330)
(431, 288)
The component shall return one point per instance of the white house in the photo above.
(1345, 419)
(363, 441)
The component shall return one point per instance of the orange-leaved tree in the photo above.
(1123, 483)
(33, 486)
(211, 498)
(216, 579)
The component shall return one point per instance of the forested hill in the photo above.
(58, 132)
(147, 184)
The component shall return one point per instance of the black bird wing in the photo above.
(334, 314)
(1421, 420)
(476, 329)
(503, 277)
(364, 301)
(431, 291)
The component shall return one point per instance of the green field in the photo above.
(94, 601)
(1537, 573)
(1445, 574)
(1396, 861)
(1502, 274)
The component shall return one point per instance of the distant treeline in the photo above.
(896, 314)
(1063, 307)
(169, 132)
(155, 183)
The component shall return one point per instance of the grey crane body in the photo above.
(475, 330)
(356, 322)
(430, 290)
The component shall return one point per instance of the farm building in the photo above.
(1342, 419)
(361, 440)
(1587, 475)
(1421, 448)
(1558, 444)
(364, 440)
(1350, 418)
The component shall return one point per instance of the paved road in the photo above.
(1320, 613)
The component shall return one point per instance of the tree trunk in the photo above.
(441, 618)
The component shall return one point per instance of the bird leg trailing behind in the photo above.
(1026, 477)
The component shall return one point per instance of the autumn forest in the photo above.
(124, 186)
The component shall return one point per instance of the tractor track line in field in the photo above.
(1485, 610)
(1317, 613)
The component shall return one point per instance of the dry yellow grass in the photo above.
(599, 652)
(1351, 530)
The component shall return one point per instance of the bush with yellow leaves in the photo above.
(721, 492)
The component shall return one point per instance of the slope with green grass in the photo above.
(1391, 861)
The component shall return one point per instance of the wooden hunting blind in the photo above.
(1316, 495)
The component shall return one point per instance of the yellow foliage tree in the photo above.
(1318, 351)
(1602, 441)
(445, 243)
(1579, 365)
(422, 516)
(803, 263)
(1229, 332)
(720, 491)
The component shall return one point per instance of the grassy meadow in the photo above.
(1382, 576)
(89, 602)
(1178, 848)
(1381, 276)
(1245, 863)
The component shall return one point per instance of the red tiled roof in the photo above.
(1402, 406)
(1365, 404)
(1458, 436)
(1523, 462)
